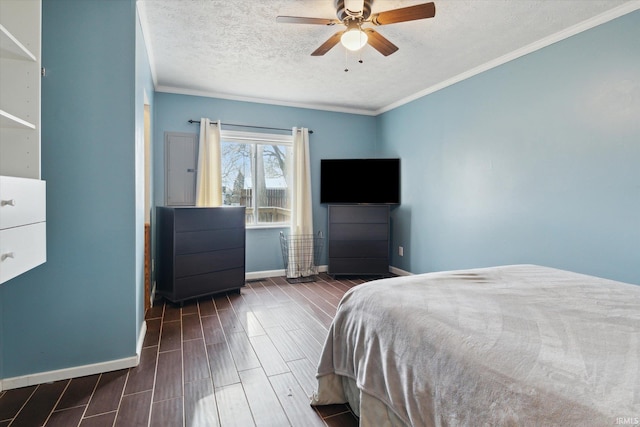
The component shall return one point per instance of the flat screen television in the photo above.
(360, 181)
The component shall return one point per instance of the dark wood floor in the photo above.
(233, 360)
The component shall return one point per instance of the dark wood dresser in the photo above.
(358, 239)
(201, 251)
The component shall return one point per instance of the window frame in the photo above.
(258, 138)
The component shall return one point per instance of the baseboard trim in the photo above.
(143, 333)
(257, 275)
(77, 371)
(399, 272)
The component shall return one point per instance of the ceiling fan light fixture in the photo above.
(354, 39)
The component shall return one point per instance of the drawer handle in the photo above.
(7, 255)
(11, 202)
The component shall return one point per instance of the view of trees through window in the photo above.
(257, 175)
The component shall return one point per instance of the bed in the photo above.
(518, 345)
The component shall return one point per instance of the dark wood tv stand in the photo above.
(358, 240)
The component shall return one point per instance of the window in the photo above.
(256, 173)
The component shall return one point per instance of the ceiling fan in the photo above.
(353, 14)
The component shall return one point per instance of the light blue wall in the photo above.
(82, 305)
(335, 135)
(535, 161)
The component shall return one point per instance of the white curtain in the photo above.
(209, 173)
(301, 261)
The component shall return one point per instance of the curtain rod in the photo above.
(244, 126)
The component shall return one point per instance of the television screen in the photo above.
(360, 181)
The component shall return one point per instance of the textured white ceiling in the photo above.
(235, 49)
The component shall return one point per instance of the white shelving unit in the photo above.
(22, 192)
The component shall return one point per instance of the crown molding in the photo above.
(211, 94)
(554, 38)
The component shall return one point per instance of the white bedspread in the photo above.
(517, 345)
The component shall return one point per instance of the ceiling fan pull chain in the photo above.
(365, 42)
(346, 57)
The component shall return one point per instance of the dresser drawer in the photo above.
(207, 284)
(359, 231)
(209, 240)
(360, 214)
(358, 266)
(195, 219)
(201, 263)
(356, 249)
(22, 201)
(21, 249)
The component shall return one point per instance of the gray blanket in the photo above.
(517, 345)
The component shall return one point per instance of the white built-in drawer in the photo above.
(22, 201)
(21, 249)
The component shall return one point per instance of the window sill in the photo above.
(267, 226)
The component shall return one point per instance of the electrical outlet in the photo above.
(400, 251)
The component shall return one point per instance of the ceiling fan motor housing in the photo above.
(354, 13)
(343, 12)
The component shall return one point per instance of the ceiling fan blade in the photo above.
(326, 46)
(303, 20)
(411, 13)
(379, 42)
